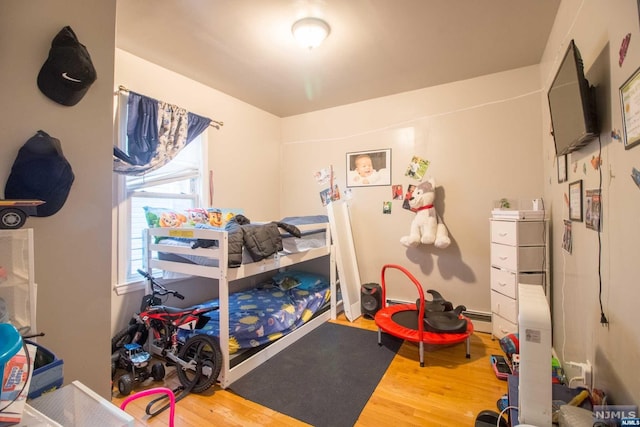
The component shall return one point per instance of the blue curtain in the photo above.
(156, 132)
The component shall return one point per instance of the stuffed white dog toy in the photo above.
(426, 227)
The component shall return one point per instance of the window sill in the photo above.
(126, 288)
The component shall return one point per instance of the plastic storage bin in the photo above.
(33, 418)
(47, 373)
(77, 405)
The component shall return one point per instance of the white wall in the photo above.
(598, 28)
(72, 247)
(482, 139)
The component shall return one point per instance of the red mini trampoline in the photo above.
(405, 321)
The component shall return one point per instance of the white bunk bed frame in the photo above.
(225, 276)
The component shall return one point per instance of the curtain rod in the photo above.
(214, 123)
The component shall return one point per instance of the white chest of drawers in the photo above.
(519, 254)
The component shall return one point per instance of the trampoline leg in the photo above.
(379, 336)
(421, 354)
(468, 342)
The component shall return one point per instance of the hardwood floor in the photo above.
(449, 391)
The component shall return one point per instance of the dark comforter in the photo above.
(260, 240)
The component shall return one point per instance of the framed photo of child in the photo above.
(369, 168)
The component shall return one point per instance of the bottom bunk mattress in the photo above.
(273, 309)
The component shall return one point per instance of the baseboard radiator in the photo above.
(481, 319)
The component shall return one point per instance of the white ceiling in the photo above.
(244, 48)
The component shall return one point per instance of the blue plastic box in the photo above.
(48, 372)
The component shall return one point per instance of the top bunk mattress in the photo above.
(313, 235)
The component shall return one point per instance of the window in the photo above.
(177, 185)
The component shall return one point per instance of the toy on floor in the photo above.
(198, 360)
(157, 390)
(412, 322)
(427, 227)
(137, 364)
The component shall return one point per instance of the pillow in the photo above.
(288, 282)
(219, 217)
(163, 217)
(304, 220)
(305, 279)
(196, 216)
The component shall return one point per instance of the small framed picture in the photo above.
(369, 168)
(562, 168)
(575, 201)
(567, 239)
(630, 105)
(593, 210)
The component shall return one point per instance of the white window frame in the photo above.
(128, 281)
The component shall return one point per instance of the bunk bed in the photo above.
(171, 250)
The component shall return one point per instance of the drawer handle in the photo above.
(504, 331)
(503, 234)
(503, 257)
(502, 284)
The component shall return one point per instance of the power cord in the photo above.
(603, 318)
(502, 413)
(544, 248)
(562, 289)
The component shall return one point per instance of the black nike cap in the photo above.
(68, 72)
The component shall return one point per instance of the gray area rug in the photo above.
(323, 379)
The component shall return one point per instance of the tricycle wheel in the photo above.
(205, 352)
(157, 371)
(125, 384)
(12, 218)
(115, 360)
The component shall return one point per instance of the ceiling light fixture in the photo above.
(310, 32)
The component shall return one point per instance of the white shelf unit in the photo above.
(77, 405)
(17, 283)
(519, 254)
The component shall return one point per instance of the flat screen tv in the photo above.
(572, 104)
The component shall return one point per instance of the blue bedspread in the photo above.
(260, 315)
